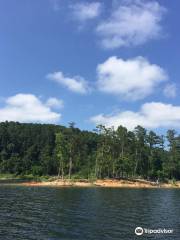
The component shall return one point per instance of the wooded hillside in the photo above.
(43, 149)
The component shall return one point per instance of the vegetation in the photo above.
(43, 149)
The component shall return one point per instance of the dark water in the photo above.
(86, 213)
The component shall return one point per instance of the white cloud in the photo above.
(131, 79)
(54, 102)
(132, 23)
(27, 108)
(151, 115)
(170, 90)
(76, 84)
(86, 11)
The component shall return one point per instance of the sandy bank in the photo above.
(104, 183)
(60, 183)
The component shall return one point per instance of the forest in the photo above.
(68, 152)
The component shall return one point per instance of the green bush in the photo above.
(37, 170)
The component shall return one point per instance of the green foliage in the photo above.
(37, 170)
(38, 150)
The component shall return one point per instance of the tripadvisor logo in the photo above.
(139, 231)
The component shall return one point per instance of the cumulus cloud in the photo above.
(170, 90)
(55, 103)
(75, 84)
(86, 11)
(27, 108)
(132, 23)
(151, 115)
(131, 79)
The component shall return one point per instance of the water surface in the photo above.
(49, 213)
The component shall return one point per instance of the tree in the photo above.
(140, 152)
(152, 140)
(172, 164)
(60, 153)
(72, 146)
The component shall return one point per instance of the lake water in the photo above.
(87, 213)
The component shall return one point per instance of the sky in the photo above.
(105, 62)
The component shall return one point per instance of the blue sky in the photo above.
(110, 62)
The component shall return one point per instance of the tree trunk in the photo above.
(96, 168)
(113, 169)
(62, 171)
(59, 170)
(122, 150)
(70, 167)
(135, 169)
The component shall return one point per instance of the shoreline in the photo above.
(111, 183)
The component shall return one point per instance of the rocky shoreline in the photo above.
(102, 183)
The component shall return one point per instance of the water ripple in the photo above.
(86, 213)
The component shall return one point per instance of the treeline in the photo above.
(44, 149)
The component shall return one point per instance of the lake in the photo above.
(50, 213)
